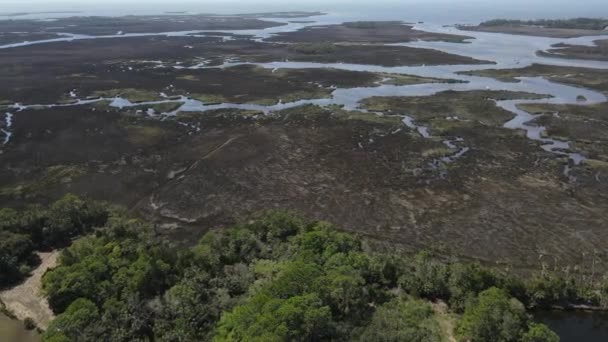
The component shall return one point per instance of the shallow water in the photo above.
(576, 326)
(13, 331)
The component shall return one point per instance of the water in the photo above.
(13, 330)
(576, 326)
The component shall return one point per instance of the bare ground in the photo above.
(26, 300)
(446, 321)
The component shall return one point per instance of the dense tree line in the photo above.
(575, 23)
(274, 278)
(23, 232)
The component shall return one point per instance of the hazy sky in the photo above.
(439, 10)
(602, 3)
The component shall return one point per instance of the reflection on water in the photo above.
(576, 326)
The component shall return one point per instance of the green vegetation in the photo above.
(29, 324)
(278, 278)
(145, 135)
(583, 77)
(314, 113)
(369, 24)
(208, 98)
(598, 52)
(468, 107)
(400, 79)
(314, 93)
(273, 278)
(371, 118)
(163, 107)
(313, 48)
(402, 320)
(133, 95)
(583, 125)
(539, 333)
(24, 232)
(575, 23)
(52, 176)
(495, 317)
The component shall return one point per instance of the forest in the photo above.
(275, 277)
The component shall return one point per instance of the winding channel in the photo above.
(504, 50)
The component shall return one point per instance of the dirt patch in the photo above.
(25, 300)
(447, 321)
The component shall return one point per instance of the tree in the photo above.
(119, 262)
(402, 320)
(24, 232)
(549, 289)
(71, 216)
(189, 310)
(77, 323)
(493, 317)
(322, 242)
(264, 318)
(270, 279)
(276, 225)
(466, 281)
(15, 254)
(427, 278)
(539, 333)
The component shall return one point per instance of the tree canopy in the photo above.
(275, 277)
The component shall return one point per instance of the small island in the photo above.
(557, 28)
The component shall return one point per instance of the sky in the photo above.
(489, 2)
(441, 10)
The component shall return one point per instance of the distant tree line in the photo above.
(575, 23)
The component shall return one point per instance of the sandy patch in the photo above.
(26, 300)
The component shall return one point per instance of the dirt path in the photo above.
(446, 321)
(26, 300)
